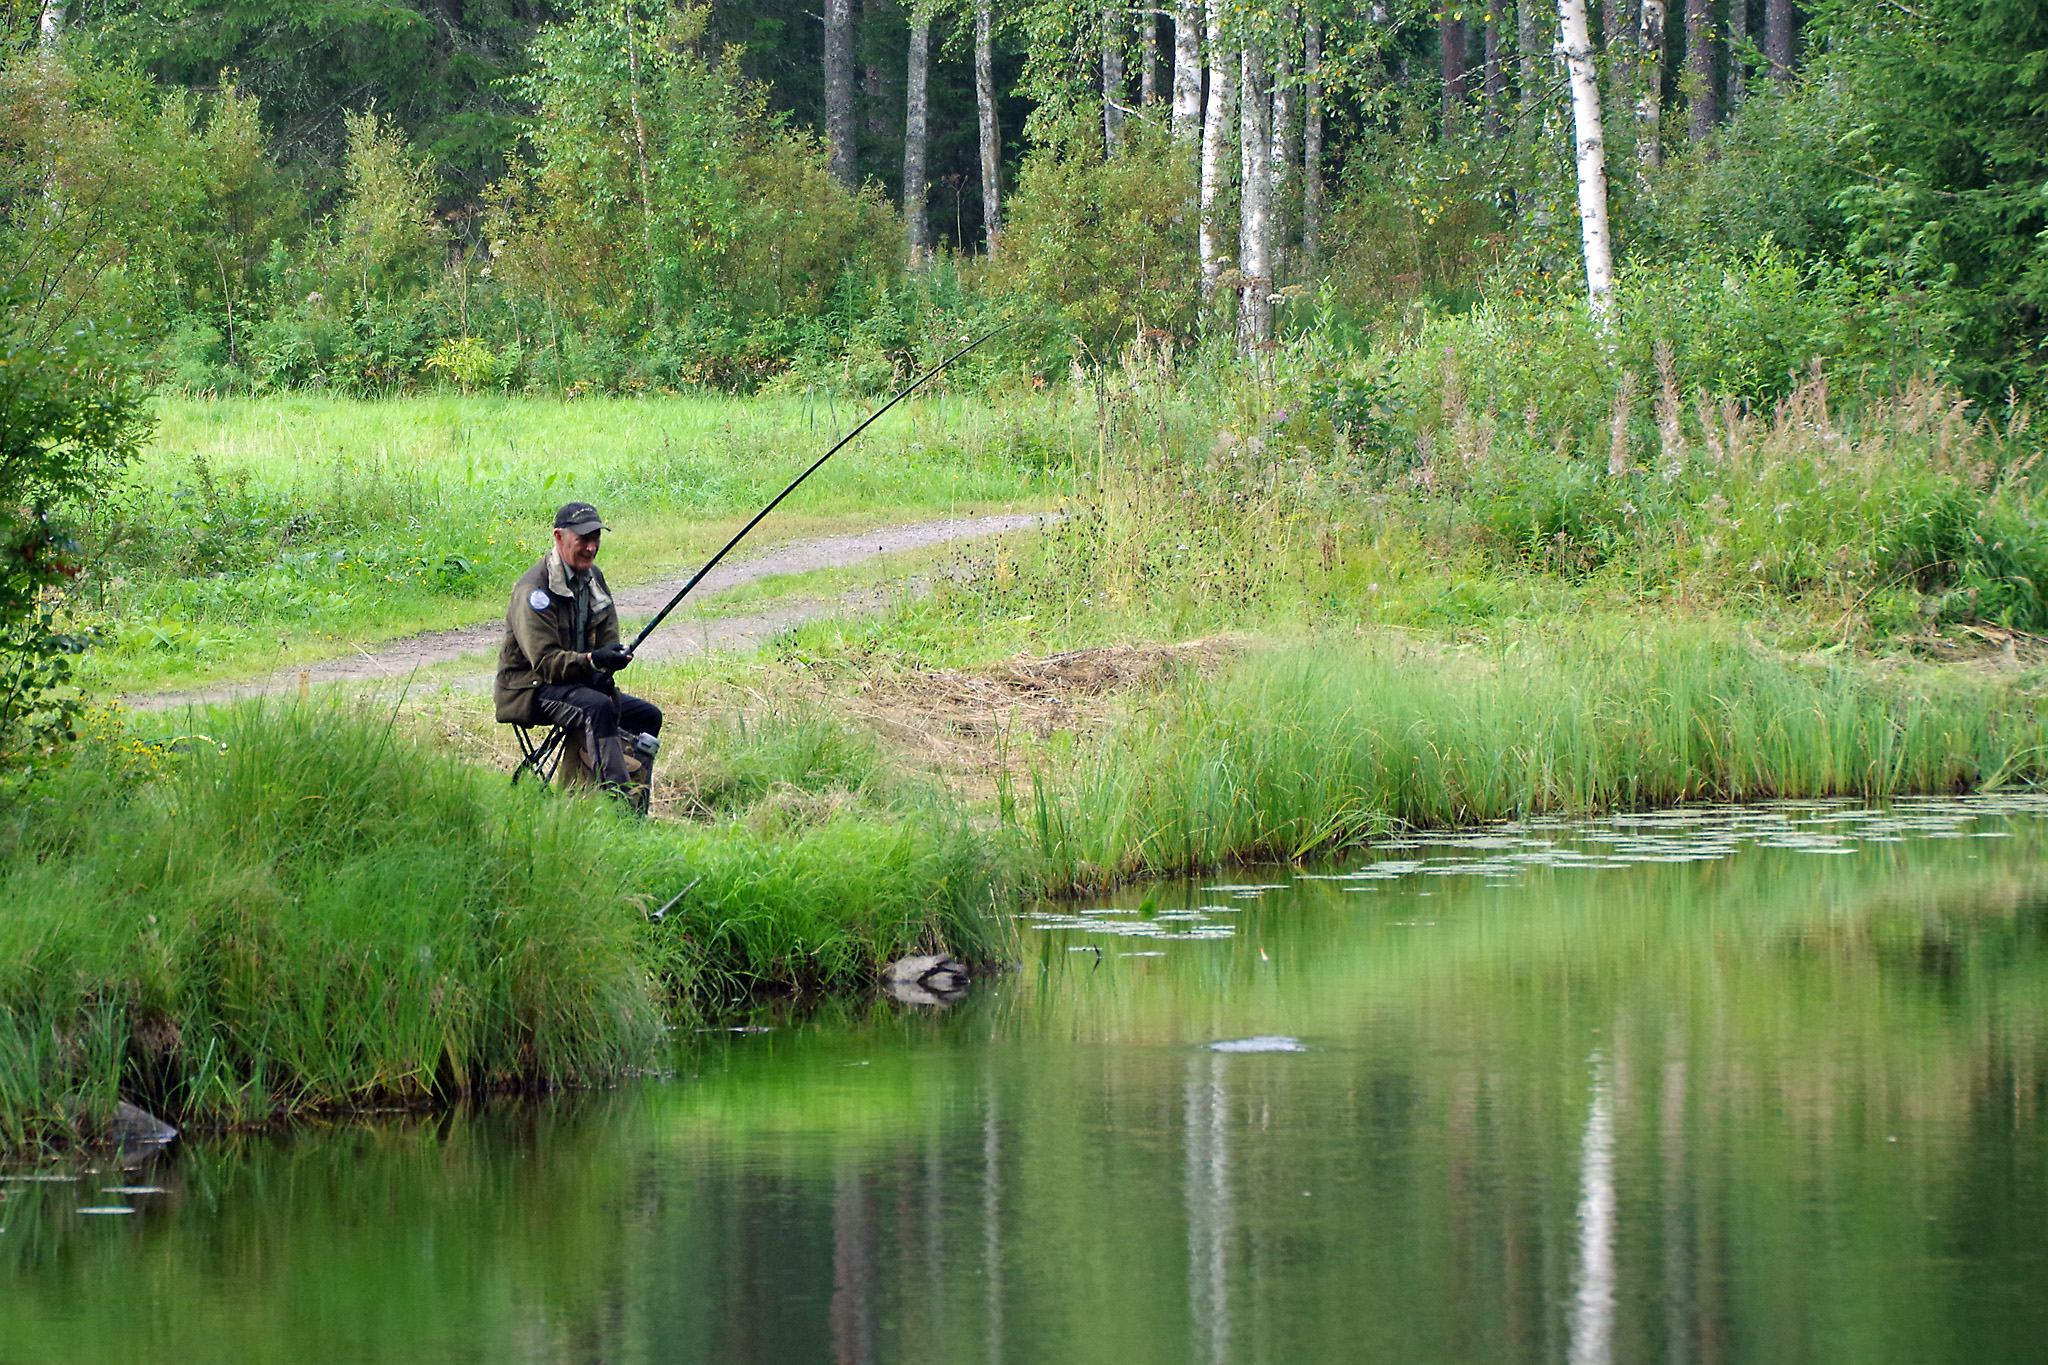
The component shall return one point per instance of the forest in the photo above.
(372, 198)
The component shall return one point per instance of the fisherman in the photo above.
(560, 652)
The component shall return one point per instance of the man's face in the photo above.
(578, 552)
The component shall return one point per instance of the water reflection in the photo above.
(1208, 1186)
(1592, 1340)
(1669, 1088)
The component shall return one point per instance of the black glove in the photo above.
(611, 658)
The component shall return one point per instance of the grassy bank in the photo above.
(1308, 747)
(317, 910)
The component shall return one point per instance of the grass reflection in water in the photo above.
(1757, 1083)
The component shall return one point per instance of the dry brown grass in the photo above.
(958, 722)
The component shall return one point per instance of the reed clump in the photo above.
(1314, 746)
(310, 909)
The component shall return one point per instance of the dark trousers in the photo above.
(598, 714)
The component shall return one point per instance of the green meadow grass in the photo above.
(259, 533)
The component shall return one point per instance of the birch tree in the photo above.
(1148, 59)
(991, 133)
(916, 116)
(1312, 141)
(1215, 144)
(1451, 47)
(50, 23)
(1114, 26)
(1577, 47)
(1187, 71)
(1281, 164)
(1650, 80)
(1255, 197)
(839, 134)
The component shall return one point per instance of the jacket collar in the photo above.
(559, 585)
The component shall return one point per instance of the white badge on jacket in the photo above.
(538, 599)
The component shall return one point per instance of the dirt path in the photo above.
(677, 639)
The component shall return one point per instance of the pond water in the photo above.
(1729, 1084)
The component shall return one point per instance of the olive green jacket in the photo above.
(540, 645)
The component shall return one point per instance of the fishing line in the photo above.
(912, 387)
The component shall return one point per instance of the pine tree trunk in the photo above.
(1148, 59)
(1114, 30)
(1699, 64)
(1215, 145)
(1285, 144)
(916, 116)
(1778, 38)
(1451, 41)
(839, 140)
(1312, 143)
(874, 80)
(1255, 200)
(1187, 71)
(991, 134)
(1650, 77)
(1496, 79)
(1591, 150)
(1738, 39)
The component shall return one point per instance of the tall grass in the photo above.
(1314, 746)
(318, 911)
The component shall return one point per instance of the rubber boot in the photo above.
(611, 766)
(576, 768)
(641, 793)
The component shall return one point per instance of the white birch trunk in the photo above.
(1312, 143)
(1577, 46)
(1148, 59)
(1215, 144)
(916, 118)
(1286, 146)
(991, 134)
(1187, 71)
(1650, 81)
(1255, 200)
(50, 24)
(1115, 26)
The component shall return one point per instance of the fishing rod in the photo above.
(912, 387)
